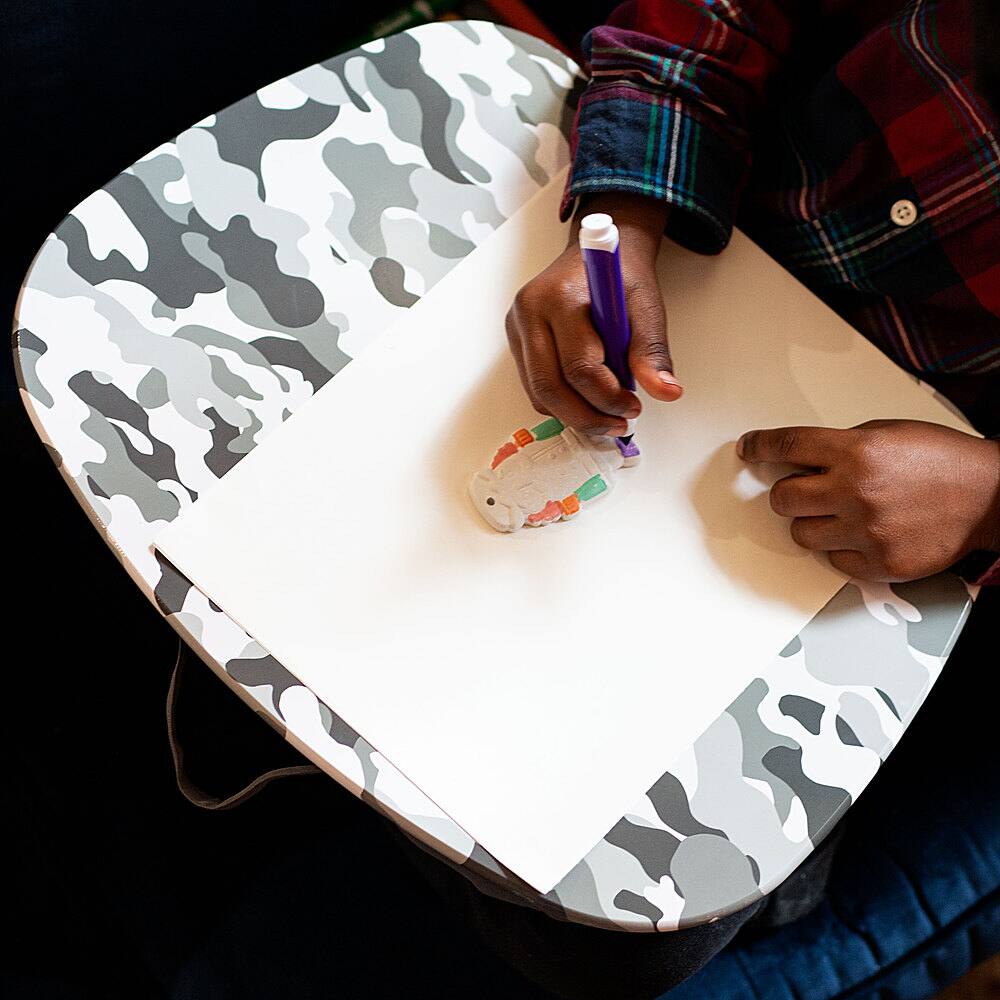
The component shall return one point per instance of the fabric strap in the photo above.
(189, 789)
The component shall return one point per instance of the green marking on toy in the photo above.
(593, 487)
(547, 474)
(547, 429)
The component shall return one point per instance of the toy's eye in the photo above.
(490, 501)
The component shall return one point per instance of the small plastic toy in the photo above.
(547, 474)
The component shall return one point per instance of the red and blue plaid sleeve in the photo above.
(674, 88)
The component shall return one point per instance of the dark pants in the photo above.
(586, 963)
(581, 962)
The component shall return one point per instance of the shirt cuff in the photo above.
(649, 143)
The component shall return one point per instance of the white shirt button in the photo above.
(903, 212)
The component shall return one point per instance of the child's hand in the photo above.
(891, 499)
(559, 355)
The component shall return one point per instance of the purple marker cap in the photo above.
(599, 244)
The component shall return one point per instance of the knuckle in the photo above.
(878, 536)
(866, 495)
(868, 449)
(786, 442)
(542, 386)
(526, 296)
(656, 351)
(580, 371)
(564, 289)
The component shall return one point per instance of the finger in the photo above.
(514, 342)
(581, 357)
(852, 563)
(649, 353)
(549, 390)
(821, 534)
(812, 446)
(803, 496)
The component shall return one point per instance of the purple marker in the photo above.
(599, 244)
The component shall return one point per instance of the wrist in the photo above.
(641, 220)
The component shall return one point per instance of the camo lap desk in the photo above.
(421, 145)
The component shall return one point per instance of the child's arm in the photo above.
(660, 142)
(675, 89)
(559, 355)
(888, 500)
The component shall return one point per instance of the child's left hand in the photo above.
(890, 499)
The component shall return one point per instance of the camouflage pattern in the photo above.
(186, 309)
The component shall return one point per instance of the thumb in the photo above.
(649, 353)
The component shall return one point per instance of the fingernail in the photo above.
(632, 412)
(668, 378)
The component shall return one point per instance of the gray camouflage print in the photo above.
(189, 307)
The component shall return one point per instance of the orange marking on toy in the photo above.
(549, 512)
(523, 437)
(571, 504)
(503, 452)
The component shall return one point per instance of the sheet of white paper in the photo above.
(535, 685)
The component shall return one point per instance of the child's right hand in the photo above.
(559, 355)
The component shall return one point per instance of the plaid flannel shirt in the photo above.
(845, 137)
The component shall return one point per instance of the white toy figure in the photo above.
(546, 474)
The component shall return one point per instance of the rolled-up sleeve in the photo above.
(675, 86)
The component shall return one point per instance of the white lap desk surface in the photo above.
(572, 663)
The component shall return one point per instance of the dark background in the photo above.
(114, 885)
(89, 86)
